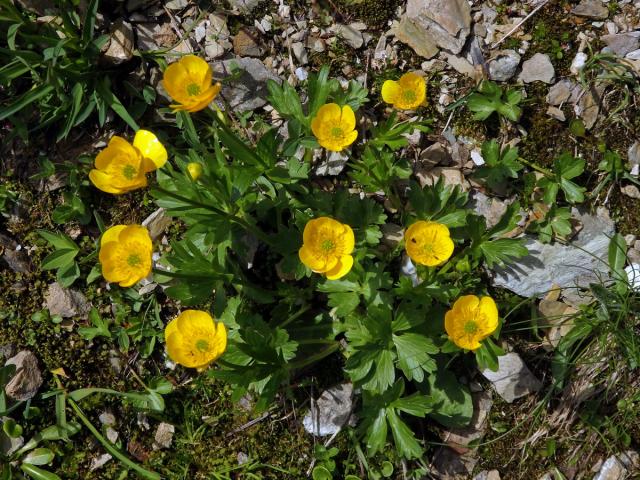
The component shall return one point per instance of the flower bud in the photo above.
(195, 170)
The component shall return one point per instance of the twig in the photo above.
(510, 32)
(250, 423)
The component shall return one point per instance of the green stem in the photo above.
(544, 171)
(314, 358)
(295, 316)
(143, 472)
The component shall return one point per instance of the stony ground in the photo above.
(577, 64)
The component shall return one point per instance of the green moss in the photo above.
(374, 13)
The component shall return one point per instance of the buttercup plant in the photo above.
(194, 339)
(122, 167)
(126, 254)
(327, 247)
(189, 81)
(407, 93)
(323, 246)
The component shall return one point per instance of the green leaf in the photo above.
(568, 166)
(37, 473)
(59, 241)
(59, 259)
(39, 456)
(617, 260)
(68, 274)
(26, 100)
(452, 405)
(321, 473)
(377, 433)
(12, 428)
(344, 303)
(572, 192)
(104, 90)
(405, 441)
(502, 251)
(413, 351)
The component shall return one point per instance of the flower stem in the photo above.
(544, 171)
(314, 358)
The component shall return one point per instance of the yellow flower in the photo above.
(194, 339)
(125, 254)
(471, 320)
(408, 93)
(326, 247)
(121, 167)
(188, 81)
(334, 127)
(428, 243)
(195, 170)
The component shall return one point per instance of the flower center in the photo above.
(336, 132)
(193, 89)
(427, 248)
(134, 260)
(409, 96)
(129, 172)
(202, 345)
(470, 327)
(327, 246)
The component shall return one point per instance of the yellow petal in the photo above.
(350, 138)
(347, 239)
(195, 320)
(390, 91)
(330, 112)
(195, 170)
(175, 80)
(221, 339)
(112, 234)
(466, 306)
(489, 314)
(314, 261)
(341, 269)
(136, 233)
(152, 150)
(348, 118)
(171, 328)
(117, 146)
(103, 182)
(175, 349)
(197, 69)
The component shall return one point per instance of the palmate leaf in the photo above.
(450, 401)
(414, 355)
(502, 251)
(501, 165)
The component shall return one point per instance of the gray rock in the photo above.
(612, 469)
(631, 191)
(244, 5)
(537, 69)
(350, 35)
(591, 9)
(392, 235)
(331, 411)
(107, 418)
(488, 475)
(556, 113)
(513, 379)
(436, 154)
(450, 465)
(504, 65)
(164, 436)
(560, 92)
(332, 164)
(588, 107)
(300, 53)
(176, 4)
(634, 158)
(157, 223)
(578, 62)
(245, 43)
(460, 438)
(120, 46)
(622, 43)
(581, 262)
(429, 25)
(452, 177)
(461, 65)
(250, 90)
(99, 462)
(12, 256)
(26, 380)
(65, 302)
(491, 208)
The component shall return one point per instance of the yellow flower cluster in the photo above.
(194, 339)
(121, 166)
(471, 320)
